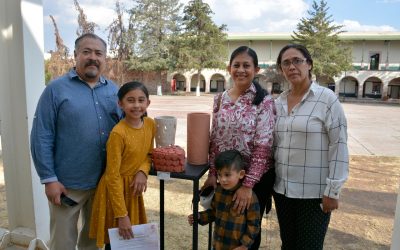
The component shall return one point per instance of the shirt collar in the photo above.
(72, 74)
(252, 88)
(311, 91)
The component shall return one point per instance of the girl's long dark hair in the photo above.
(126, 87)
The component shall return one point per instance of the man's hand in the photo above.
(54, 191)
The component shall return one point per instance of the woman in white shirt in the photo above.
(311, 155)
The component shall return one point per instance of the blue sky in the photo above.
(239, 15)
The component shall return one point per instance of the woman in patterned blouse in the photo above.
(243, 119)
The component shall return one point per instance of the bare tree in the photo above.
(62, 50)
(59, 63)
(84, 26)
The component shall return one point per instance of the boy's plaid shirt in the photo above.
(231, 229)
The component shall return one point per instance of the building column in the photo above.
(188, 80)
(207, 78)
(385, 89)
(360, 90)
(396, 227)
(21, 47)
(337, 87)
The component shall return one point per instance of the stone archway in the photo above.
(217, 83)
(180, 82)
(193, 83)
(394, 88)
(372, 88)
(327, 82)
(348, 87)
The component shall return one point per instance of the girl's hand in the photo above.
(139, 183)
(242, 199)
(125, 228)
(211, 181)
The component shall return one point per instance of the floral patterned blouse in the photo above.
(246, 127)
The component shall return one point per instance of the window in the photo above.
(374, 61)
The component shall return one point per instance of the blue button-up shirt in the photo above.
(70, 130)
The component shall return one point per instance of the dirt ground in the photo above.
(363, 221)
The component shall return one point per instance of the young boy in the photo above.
(232, 230)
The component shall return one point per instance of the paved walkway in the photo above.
(373, 129)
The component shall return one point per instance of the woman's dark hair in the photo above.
(126, 87)
(260, 91)
(229, 158)
(303, 50)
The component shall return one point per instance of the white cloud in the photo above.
(255, 15)
(351, 25)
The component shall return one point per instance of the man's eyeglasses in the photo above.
(296, 62)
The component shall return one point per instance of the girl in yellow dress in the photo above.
(118, 201)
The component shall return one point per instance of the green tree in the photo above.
(331, 56)
(203, 42)
(155, 22)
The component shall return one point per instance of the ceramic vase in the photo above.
(166, 130)
(198, 137)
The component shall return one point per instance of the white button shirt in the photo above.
(310, 143)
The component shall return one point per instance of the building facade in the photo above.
(375, 74)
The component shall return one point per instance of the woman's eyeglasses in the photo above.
(296, 62)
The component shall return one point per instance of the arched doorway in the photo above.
(217, 83)
(193, 83)
(327, 82)
(348, 87)
(372, 88)
(394, 88)
(180, 81)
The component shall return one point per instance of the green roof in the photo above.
(350, 36)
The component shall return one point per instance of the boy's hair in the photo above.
(229, 158)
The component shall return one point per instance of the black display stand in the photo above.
(193, 173)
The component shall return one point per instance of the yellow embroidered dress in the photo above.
(127, 153)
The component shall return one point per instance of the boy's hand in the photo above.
(190, 219)
(125, 228)
(240, 248)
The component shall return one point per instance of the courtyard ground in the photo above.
(366, 214)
